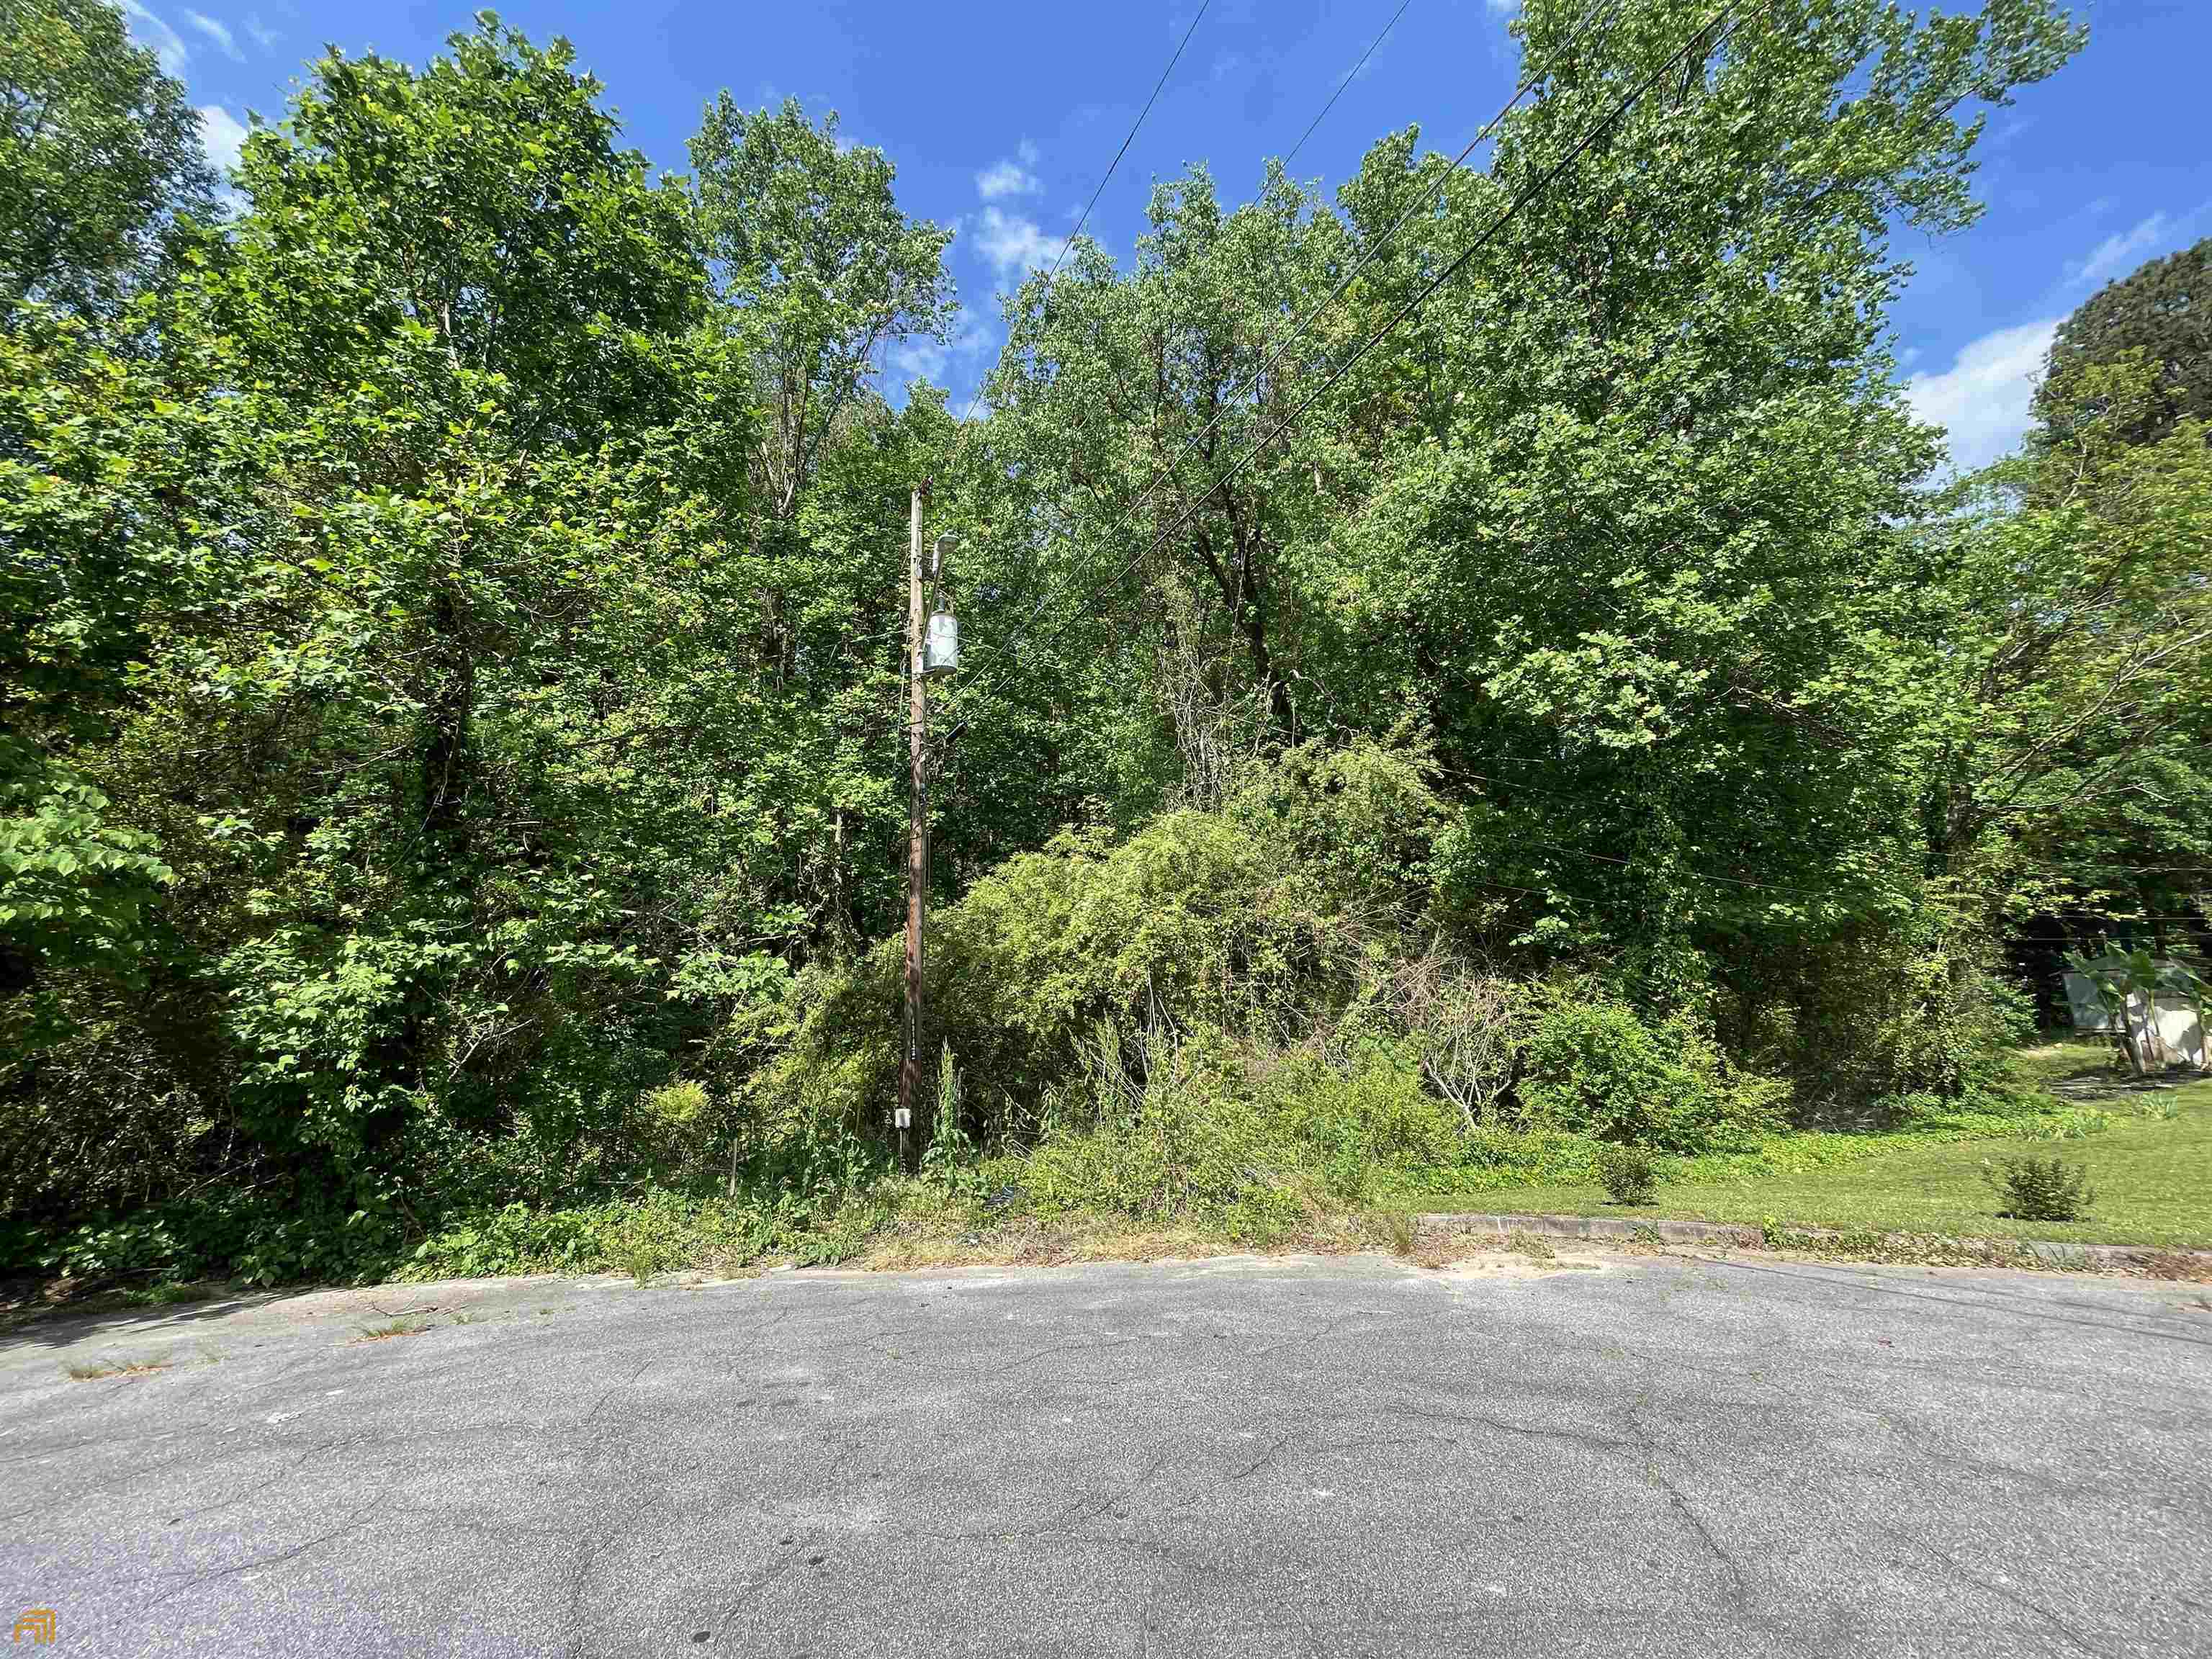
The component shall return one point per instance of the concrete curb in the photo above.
(2078, 1258)
(1586, 1227)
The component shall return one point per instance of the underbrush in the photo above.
(1194, 1130)
(1198, 1128)
(1247, 1023)
(1191, 1139)
(662, 1231)
(1196, 1139)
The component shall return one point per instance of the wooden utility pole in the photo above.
(917, 835)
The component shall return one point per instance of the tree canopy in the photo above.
(2159, 313)
(454, 672)
(100, 156)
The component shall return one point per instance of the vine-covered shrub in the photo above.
(1595, 1067)
(1198, 919)
(1170, 1131)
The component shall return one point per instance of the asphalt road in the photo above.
(1636, 1457)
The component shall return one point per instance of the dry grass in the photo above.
(1027, 1241)
(100, 1368)
(1532, 1246)
(2173, 1264)
(1399, 1233)
(385, 1332)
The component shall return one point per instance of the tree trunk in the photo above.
(446, 757)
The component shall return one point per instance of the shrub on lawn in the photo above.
(1630, 1174)
(2042, 1188)
(1594, 1067)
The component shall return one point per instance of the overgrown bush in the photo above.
(1166, 1128)
(2041, 1188)
(1196, 919)
(1630, 1174)
(656, 1233)
(1366, 1125)
(1909, 1008)
(1198, 1126)
(1362, 818)
(673, 1132)
(1593, 1067)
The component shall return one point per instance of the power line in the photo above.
(1698, 875)
(1350, 74)
(1598, 10)
(1464, 774)
(1458, 262)
(1111, 166)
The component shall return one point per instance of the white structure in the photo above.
(2180, 1027)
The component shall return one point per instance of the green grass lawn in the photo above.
(2151, 1175)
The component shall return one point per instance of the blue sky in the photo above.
(1000, 118)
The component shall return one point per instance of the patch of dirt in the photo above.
(1508, 1264)
(1032, 1243)
(2089, 1087)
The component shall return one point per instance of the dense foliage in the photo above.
(99, 158)
(2161, 315)
(453, 798)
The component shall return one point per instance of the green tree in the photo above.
(824, 273)
(810, 243)
(100, 155)
(1600, 521)
(436, 418)
(2162, 313)
(2064, 629)
(99, 171)
(93, 464)
(90, 468)
(1129, 399)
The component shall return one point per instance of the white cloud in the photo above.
(1013, 244)
(263, 36)
(168, 45)
(217, 32)
(1011, 176)
(1982, 399)
(2117, 253)
(221, 135)
(919, 358)
(1504, 8)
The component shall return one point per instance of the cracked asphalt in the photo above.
(1638, 1456)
